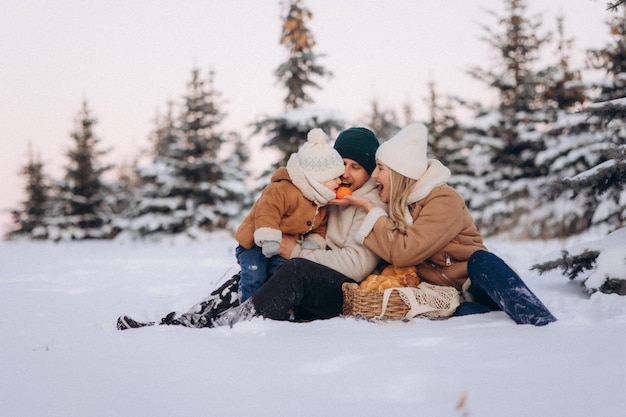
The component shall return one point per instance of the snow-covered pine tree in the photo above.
(29, 221)
(155, 207)
(287, 132)
(209, 201)
(504, 141)
(597, 183)
(189, 187)
(79, 209)
(566, 139)
(446, 141)
(598, 188)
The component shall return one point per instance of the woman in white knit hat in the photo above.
(430, 227)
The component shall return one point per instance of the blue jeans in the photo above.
(255, 269)
(496, 286)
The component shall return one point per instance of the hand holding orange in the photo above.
(343, 191)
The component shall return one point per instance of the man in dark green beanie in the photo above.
(360, 145)
(308, 285)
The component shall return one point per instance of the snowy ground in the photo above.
(61, 355)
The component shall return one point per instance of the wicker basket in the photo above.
(369, 303)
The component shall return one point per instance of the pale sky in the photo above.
(127, 58)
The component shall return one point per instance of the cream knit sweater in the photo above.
(347, 254)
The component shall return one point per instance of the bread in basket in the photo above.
(397, 293)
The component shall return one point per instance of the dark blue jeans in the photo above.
(496, 286)
(255, 269)
(482, 302)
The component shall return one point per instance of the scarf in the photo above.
(311, 189)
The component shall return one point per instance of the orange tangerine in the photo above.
(343, 191)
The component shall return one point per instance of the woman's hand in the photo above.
(365, 203)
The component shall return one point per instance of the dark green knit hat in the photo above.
(360, 145)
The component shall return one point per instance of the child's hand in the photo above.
(310, 245)
(270, 248)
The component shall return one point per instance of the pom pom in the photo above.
(317, 136)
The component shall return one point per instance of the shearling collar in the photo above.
(436, 174)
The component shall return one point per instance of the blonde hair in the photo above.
(398, 199)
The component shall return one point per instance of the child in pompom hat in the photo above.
(293, 203)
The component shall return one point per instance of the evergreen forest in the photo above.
(546, 160)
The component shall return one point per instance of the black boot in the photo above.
(125, 322)
(202, 314)
(242, 312)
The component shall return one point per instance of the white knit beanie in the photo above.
(318, 159)
(405, 152)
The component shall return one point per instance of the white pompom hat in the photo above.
(405, 152)
(318, 159)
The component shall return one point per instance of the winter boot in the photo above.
(202, 314)
(125, 322)
(242, 312)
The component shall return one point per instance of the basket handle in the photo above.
(415, 307)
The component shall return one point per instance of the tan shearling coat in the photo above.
(439, 242)
(282, 208)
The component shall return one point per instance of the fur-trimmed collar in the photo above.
(436, 174)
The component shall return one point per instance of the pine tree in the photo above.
(155, 207)
(446, 141)
(189, 187)
(298, 71)
(207, 197)
(198, 127)
(79, 205)
(599, 182)
(287, 132)
(600, 153)
(519, 84)
(504, 141)
(565, 139)
(30, 220)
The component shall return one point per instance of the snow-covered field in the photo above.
(61, 355)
